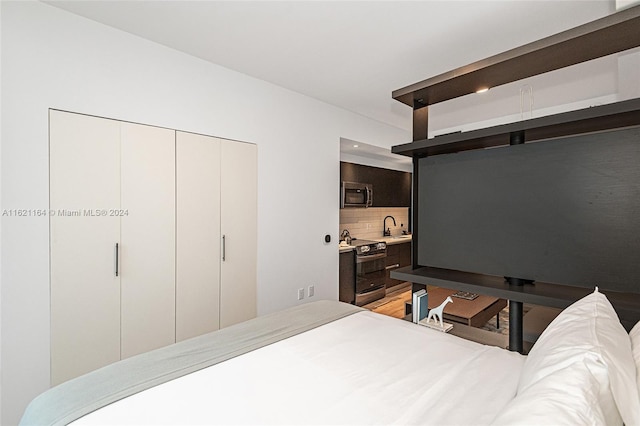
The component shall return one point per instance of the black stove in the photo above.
(368, 247)
(370, 270)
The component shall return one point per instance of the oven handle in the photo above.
(362, 259)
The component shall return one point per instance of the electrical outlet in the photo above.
(300, 293)
(312, 291)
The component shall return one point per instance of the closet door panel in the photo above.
(148, 238)
(238, 192)
(85, 292)
(198, 235)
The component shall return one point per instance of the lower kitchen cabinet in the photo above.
(398, 255)
(347, 285)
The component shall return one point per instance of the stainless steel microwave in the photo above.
(353, 194)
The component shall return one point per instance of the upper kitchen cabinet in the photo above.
(391, 188)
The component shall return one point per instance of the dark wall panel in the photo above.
(564, 211)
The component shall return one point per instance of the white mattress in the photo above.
(363, 369)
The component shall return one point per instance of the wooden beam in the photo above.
(420, 123)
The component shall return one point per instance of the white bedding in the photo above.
(363, 369)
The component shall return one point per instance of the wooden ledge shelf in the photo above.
(627, 305)
(611, 34)
(611, 116)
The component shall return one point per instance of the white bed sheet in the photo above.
(363, 369)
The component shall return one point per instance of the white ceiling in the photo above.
(351, 54)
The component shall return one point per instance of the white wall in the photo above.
(623, 4)
(0, 222)
(53, 59)
(404, 164)
(370, 155)
(377, 162)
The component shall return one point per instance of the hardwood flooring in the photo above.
(393, 303)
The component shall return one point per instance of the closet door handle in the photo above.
(117, 259)
(224, 247)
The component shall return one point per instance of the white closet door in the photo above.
(238, 192)
(148, 238)
(198, 235)
(85, 292)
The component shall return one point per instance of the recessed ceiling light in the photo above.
(484, 89)
(355, 146)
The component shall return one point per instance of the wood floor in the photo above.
(393, 303)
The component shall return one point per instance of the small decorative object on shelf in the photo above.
(465, 295)
(415, 304)
(445, 327)
(437, 312)
(423, 306)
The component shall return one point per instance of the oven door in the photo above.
(370, 278)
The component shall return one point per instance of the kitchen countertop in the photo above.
(389, 240)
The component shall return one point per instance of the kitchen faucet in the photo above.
(386, 231)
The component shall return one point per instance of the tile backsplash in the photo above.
(367, 223)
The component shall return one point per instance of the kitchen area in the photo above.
(375, 232)
(375, 239)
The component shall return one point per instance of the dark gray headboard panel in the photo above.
(562, 211)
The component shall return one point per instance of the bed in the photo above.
(328, 362)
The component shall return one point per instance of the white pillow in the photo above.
(634, 334)
(570, 396)
(590, 330)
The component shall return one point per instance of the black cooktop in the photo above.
(368, 247)
(358, 242)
